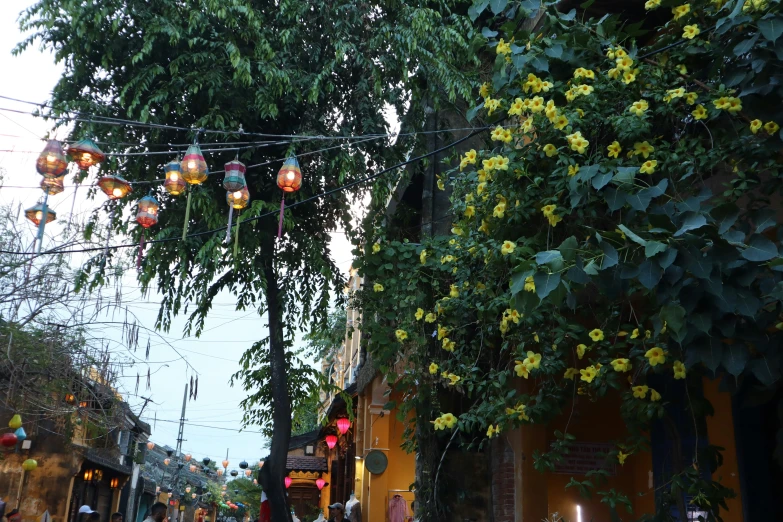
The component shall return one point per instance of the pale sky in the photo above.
(227, 334)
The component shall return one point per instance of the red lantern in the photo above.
(51, 163)
(289, 179)
(8, 440)
(85, 153)
(115, 186)
(320, 483)
(331, 441)
(343, 425)
(288, 481)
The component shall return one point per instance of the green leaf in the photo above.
(764, 372)
(725, 216)
(760, 249)
(692, 221)
(630, 235)
(674, 315)
(475, 10)
(548, 256)
(568, 248)
(577, 275)
(545, 283)
(649, 274)
(488, 33)
(702, 322)
(654, 247)
(518, 281)
(610, 256)
(540, 64)
(771, 28)
(497, 6)
(735, 357)
(625, 175)
(601, 180)
(615, 199)
(569, 16)
(531, 5)
(745, 45)
(555, 51)
(764, 218)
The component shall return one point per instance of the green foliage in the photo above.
(616, 228)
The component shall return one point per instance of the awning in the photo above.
(108, 461)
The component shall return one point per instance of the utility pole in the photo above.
(182, 423)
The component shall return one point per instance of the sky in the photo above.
(214, 419)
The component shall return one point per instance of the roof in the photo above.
(294, 463)
(141, 426)
(299, 441)
(106, 459)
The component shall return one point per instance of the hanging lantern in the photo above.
(219, 472)
(206, 461)
(235, 176)
(188, 456)
(51, 163)
(320, 483)
(288, 481)
(174, 183)
(248, 472)
(343, 425)
(331, 441)
(35, 214)
(29, 465)
(16, 422)
(192, 468)
(224, 487)
(166, 461)
(188, 489)
(243, 465)
(193, 166)
(85, 153)
(70, 398)
(8, 440)
(225, 463)
(20, 434)
(234, 473)
(238, 199)
(116, 187)
(146, 216)
(53, 186)
(289, 179)
(114, 483)
(150, 445)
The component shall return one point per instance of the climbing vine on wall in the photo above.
(620, 229)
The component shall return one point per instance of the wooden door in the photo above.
(304, 501)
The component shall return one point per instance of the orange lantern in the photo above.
(289, 179)
(53, 186)
(146, 216)
(174, 183)
(219, 472)
(167, 461)
(85, 153)
(51, 163)
(225, 463)
(193, 166)
(192, 468)
(116, 187)
(238, 199)
(188, 457)
(36, 212)
(150, 445)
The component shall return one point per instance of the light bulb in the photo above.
(238, 194)
(152, 210)
(117, 192)
(39, 215)
(191, 164)
(290, 175)
(50, 158)
(174, 176)
(86, 156)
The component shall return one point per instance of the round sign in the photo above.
(376, 462)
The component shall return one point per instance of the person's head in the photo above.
(337, 511)
(116, 517)
(158, 511)
(93, 517)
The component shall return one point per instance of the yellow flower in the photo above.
(376, 248)
(573, 169)
(690, 31)
(449, 420)
(614, 149)
(571, 95)
(570, 373)
(614, 73)
(546, 85)
(532, 361)
(679, 370)
(503, 47)
(433, 368)
(470, 156)
(492, 431)
(578, 142)
(755, 126)
(625, 63)
(652, 4)
(441, 185)
(530, 285)
(439, 424)
(643, 148)
(655, 356)
(639, 107)
(419, 314)
(430, 318)
(596, 335)
(640, 392)
(648, 167)
(672, 94)
(681, 11)
(454, 291)
(734, 105)
(589, 373)
(470, 211)
(548, 209)
(484, 89)
(537, 104)
(550, 150)
(499, 210)
(683, 70)
(423, 257)
(535, 337)
(580, 350)
(457, 231)
(690, 98)
(520, 369)
(507, 248)
(517, 107)
(629, 76)
(654, 395)
(377, 287)
(484, 227)
(635, 333)
(519, 409)
(442, 332)
(699, 113)
(507, 136)
(448, 344)
(585, 90)
(561, 122)
(622, 365)
(647, 334)
(771, 127)
(512, 315)
(620, 455)
(497, 133)
(503, 326)
(491, 105)
(501, 163)
(721, 103)
(620, 52)
(453, 379)
(401, 335)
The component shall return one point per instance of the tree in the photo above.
(282, 68)
(616, 230)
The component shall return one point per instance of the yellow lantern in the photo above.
(51, 163)
(116, 187)
(238, 199)
(175, 183)
(53, 186)
(16, 422)
(29, 465)
(193, 166)
(35, 214)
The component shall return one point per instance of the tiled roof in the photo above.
(295, 463)
(300, 441)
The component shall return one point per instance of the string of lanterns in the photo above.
(180, 175)
(12, 438)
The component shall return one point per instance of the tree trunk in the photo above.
(274, 471)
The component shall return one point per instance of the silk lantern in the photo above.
(150, 445)
(236, 200)
(85, 153)
(53, 186)
(8, 440)
(16, 422)
(21, 435)
(35, 214)
(29, 465)
(206, 461)
(289, 179)
(219, 472)
(343, 425)
(192, 468)
(167, 461)
(116, 187)
(225, 463)
(51, 163)
(331, 441)
(147, 216)
(234, 473)
(193, 496)
(288, 481)
(174, 183)
(235, 176)
(320, 483)
(187, 456)
(243, 465)
(188, 489)
(194, 171)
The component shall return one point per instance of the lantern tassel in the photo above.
(141, 251)
(187, 217)
(108, 237)
(280, 225)
(230, 218)
(236, 239)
